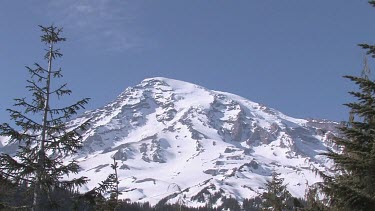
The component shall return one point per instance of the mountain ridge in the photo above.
(177, 141)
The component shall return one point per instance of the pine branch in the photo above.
(37, 72)
(15, 135)
(51, 34)
(23, 121)
(370, 48)
(57, 74)
(61, 91)
(6, 206)
(33, 87)
(55, 53)
(14, 169)
(72, 109)
(29, 107)
(77, 182)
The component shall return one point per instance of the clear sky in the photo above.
(289, 55)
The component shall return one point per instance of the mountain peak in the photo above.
(178, 86)
(163, 79)
(174, 139)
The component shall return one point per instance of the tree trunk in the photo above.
(41, 153)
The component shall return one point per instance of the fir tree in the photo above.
(230, 204)
(41, 132)
(114, 191)
(312, 200)
(253, 204)
(352, 187)
(276, 197)
(108, 186)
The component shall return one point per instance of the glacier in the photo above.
(176, 141)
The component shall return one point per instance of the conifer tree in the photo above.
(276, 197)
(41, 132)
(108, 186)
(229, 204)
(313, 201)
(353, 185)
(252, 204)
(114, 191)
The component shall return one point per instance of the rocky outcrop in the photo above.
(178, 141)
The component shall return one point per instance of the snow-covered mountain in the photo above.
(176, 141)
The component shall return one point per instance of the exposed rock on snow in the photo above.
(177, 140)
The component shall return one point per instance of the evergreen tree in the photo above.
(108, 186)
(42, 134)
(352, 187)
(230, 204)
(253, 204)
(276, 197)
(113, 191)
(312, 200)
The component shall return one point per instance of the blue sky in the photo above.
(289, 55)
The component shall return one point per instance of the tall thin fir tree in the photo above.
(114, 193)
(108, 186)
(42, 133)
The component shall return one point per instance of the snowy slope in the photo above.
(3, 141)
(176, 141)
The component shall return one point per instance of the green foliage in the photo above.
(312, 200)
(352, 187)
(108, 186)
(230, 204)
(370, 48)
(276, 197)
(253, 204)
(42, 134)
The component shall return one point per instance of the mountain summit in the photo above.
(176, 141)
